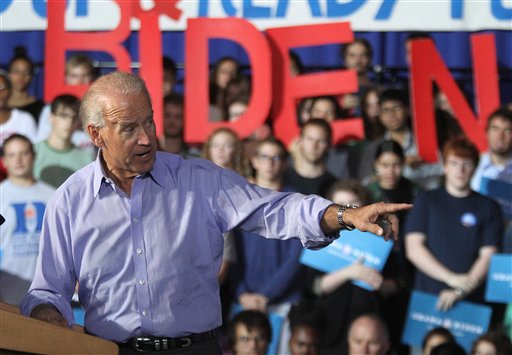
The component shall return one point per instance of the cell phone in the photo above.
(385, 225)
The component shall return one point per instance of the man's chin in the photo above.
(145, 164)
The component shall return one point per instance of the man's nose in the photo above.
(144, 137)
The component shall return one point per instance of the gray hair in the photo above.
(111, 85)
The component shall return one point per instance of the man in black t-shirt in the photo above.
(309, 173)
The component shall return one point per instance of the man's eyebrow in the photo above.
(124, 124)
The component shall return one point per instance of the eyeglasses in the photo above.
(270, 158)
(391, 109)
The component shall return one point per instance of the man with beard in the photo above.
(495, 167)
(496, 164)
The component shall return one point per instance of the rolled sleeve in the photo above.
(271, 214)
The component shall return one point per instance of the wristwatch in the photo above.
(460, 292)
(339, 216)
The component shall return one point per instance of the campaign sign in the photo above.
(466, 320)
(79, 315)
(499, 279)
(500, 191)
(348, 248)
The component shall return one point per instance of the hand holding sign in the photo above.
(359, 272)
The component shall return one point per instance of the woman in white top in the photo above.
(13, 120)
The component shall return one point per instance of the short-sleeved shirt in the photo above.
(455, 230)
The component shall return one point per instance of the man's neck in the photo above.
(22, 181)
(276, 185)
(456, 192)
(399, 135)
(500, 159)
(309, 170)
(19, 98)
(58, 143)
(124, 182)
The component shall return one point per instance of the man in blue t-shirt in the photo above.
(452, 232)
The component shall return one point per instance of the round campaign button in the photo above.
(468, 219)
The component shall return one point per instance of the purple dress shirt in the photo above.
(147, 263)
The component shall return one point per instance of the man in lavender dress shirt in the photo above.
(141, 231)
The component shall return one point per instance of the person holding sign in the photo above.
(452, 232)
(333, 293)
(141, 231)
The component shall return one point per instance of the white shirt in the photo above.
(23, 209)
(486, 168)
(20, 122)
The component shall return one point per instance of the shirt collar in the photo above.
(156, 174)
(407, 138)
(486, 161)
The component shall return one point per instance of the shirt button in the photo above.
(144, 313)
(135, 220)
(141, 282)
(139, 251)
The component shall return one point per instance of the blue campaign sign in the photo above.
(499, 279)
(79, 314)
(348, 248)
(276, 323)
(466, 320)
(500, 191)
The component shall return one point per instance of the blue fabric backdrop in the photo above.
(388, 48)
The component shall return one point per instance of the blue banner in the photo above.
(466, 321)
(501, 192)
(347, 249)
(499, 279)
(365, 15)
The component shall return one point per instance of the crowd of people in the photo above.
(445, 244)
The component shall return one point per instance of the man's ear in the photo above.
(94, 133)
